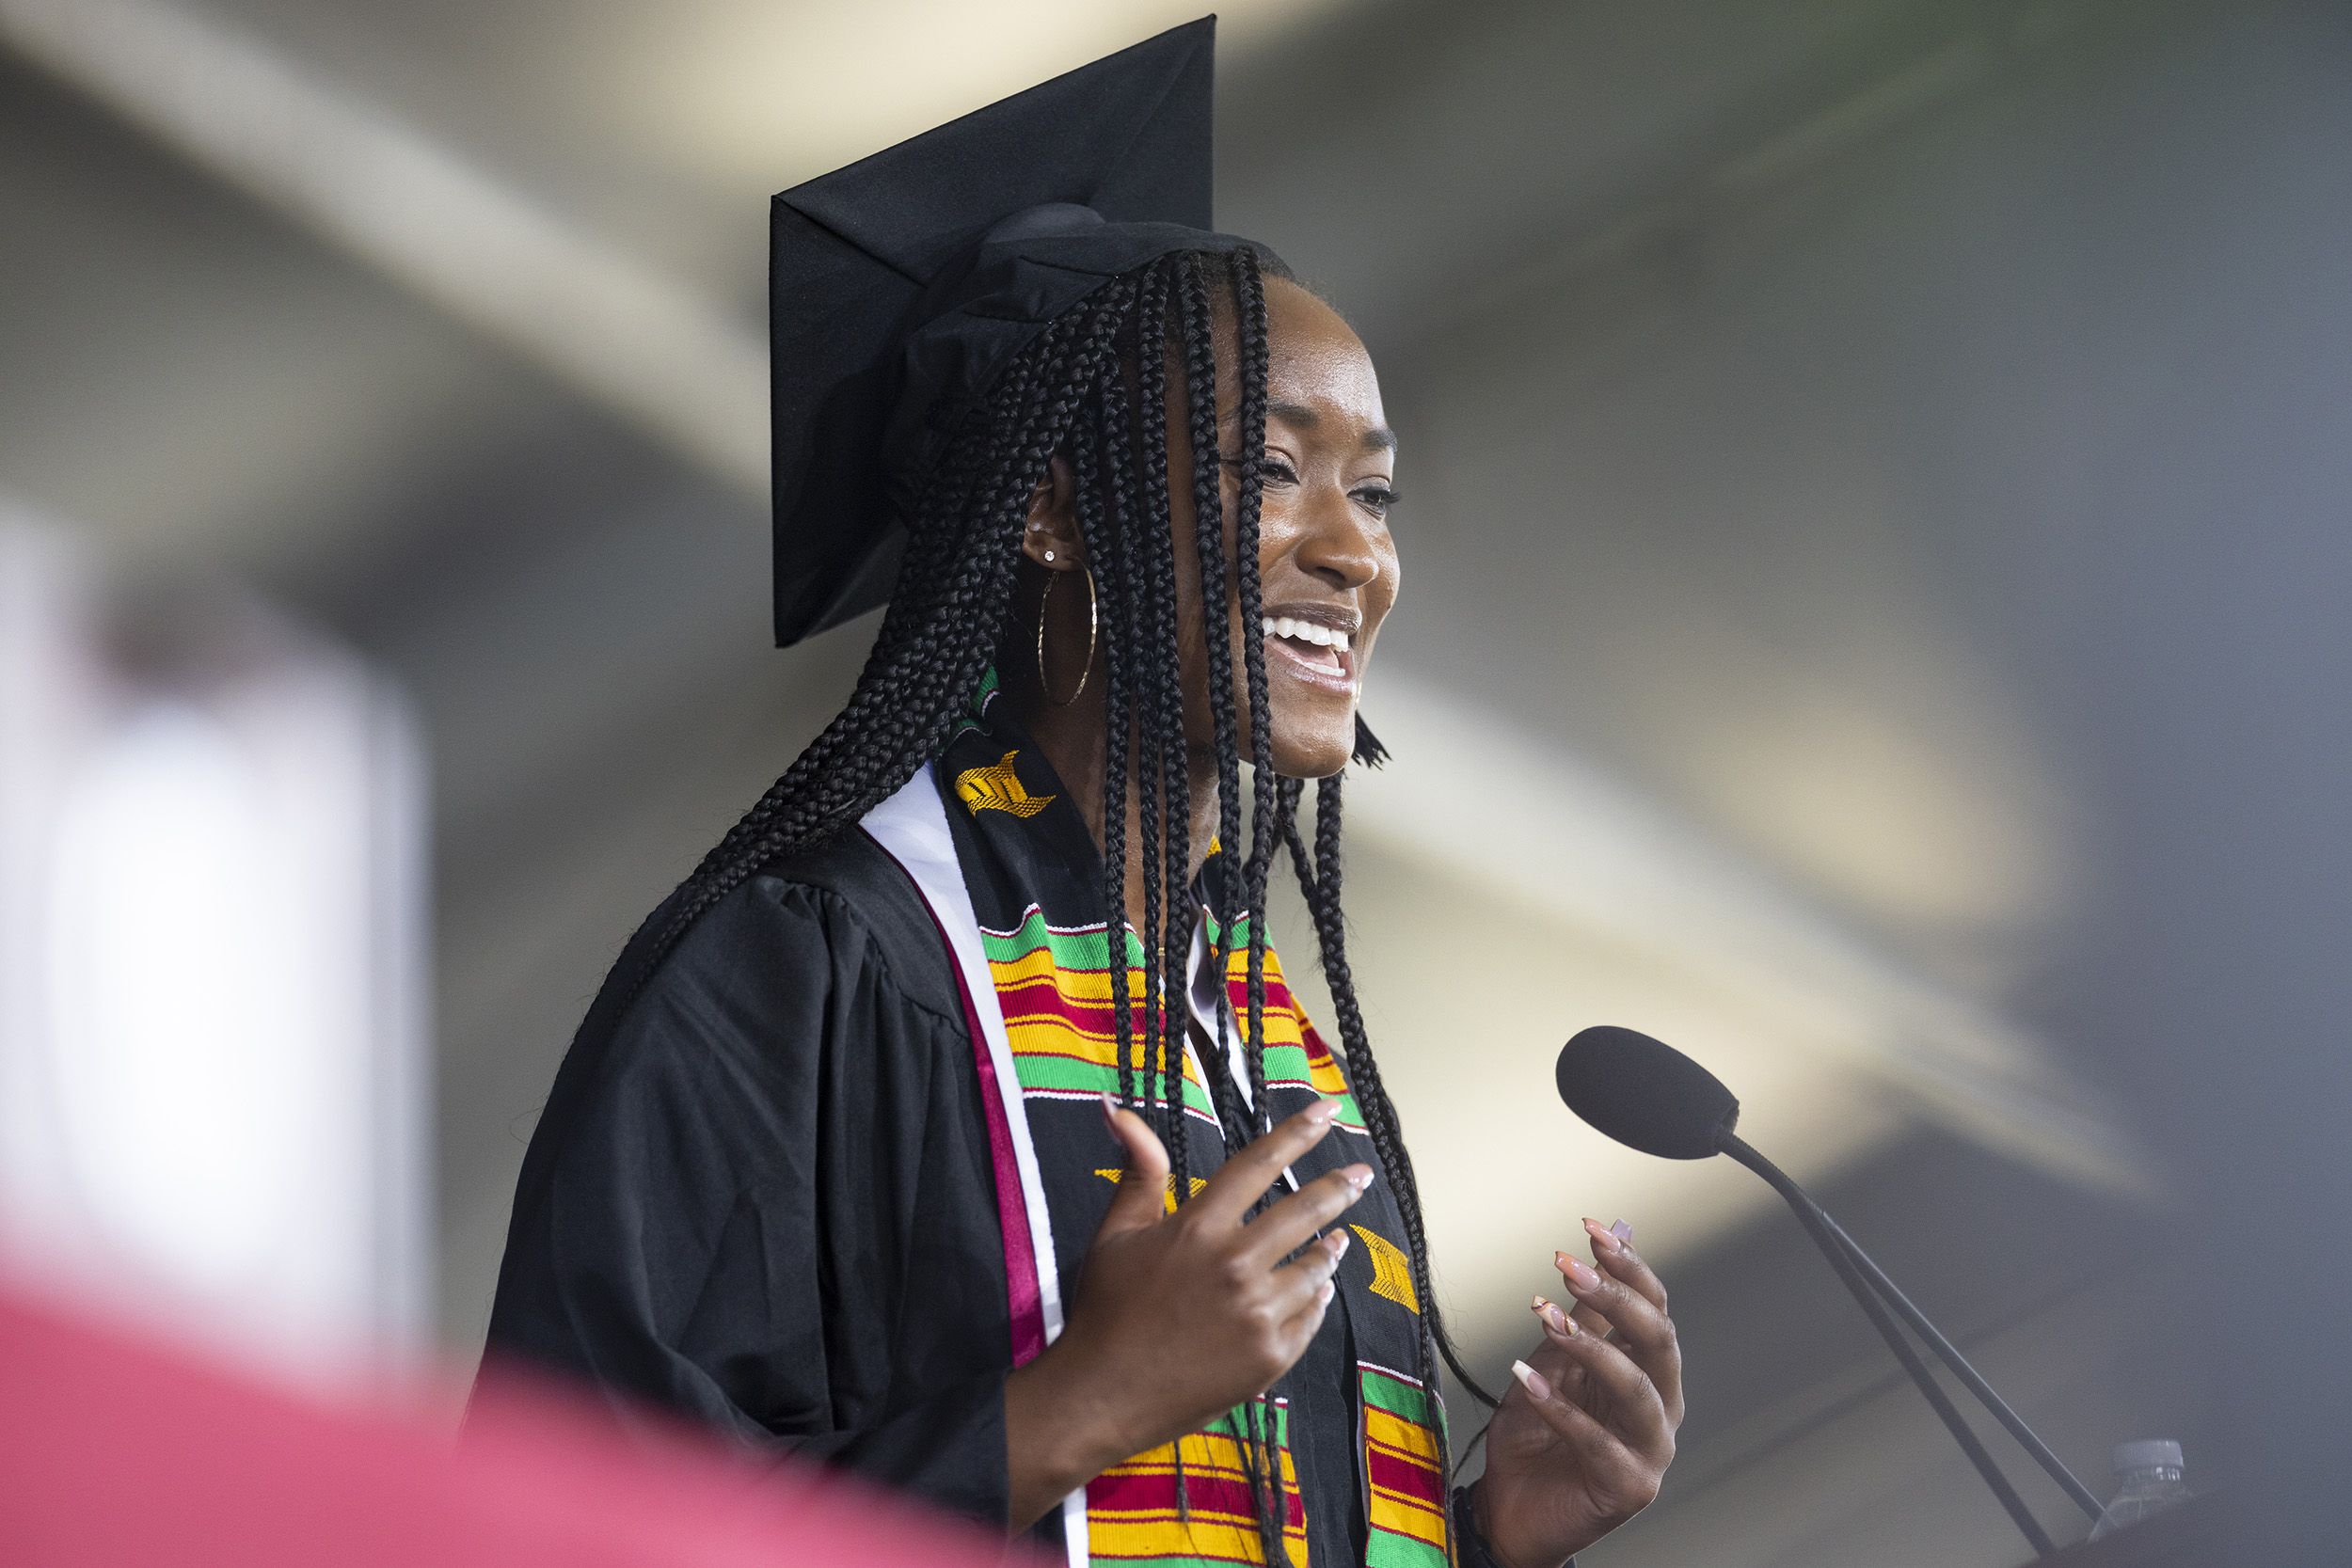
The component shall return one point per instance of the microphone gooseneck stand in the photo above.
(2084, 1497)
(1874, 1292)
(1648, 1096)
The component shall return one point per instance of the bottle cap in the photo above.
(2148, 1453)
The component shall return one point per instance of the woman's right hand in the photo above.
(1178, 1316)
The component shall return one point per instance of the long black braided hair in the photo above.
(1092, 387)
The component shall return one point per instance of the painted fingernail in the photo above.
(1341, 1241)
(1359, 1177)
(1602, 1236)
(1322, 1111)
(1621, 1230)
(1582, 1275)
(1110, 1109)
(1555, 1320)
(1531, 1380)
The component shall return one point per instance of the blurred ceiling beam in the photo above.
(623, 335)
(1555, 835)
(1752, 173)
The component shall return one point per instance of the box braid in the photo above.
(1098, 514)
(1163, 781)
(1251, 341)
(1198, 325)
(1320, 885)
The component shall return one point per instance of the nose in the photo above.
(1337, 546)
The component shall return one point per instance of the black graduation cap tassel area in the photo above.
(902, 286)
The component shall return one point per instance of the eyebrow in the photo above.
(1379, 438)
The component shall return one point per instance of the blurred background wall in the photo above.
(1874, 528)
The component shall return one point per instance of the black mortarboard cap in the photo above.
(901, 287)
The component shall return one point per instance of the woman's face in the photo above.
(1326, 564)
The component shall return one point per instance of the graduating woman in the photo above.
(952, 1123)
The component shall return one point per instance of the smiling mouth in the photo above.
(1319, 655)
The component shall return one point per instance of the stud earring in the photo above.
(1049, 555)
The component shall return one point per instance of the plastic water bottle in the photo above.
(2149, 1470)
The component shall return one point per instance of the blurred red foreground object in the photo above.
(113, 1451)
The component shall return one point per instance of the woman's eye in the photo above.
(1275, 468)
(1378, 497)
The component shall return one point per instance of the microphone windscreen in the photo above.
(1644, 1093)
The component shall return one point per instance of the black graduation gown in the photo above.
(764, 1200)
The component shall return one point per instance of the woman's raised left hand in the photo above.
(1585, 1435)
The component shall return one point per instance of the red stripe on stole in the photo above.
(1212, 1496)
(1033, 1000)
(1390, 1471)
(1278, 993)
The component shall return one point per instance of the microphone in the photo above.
(1646, 1095)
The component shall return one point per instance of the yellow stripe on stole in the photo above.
(1084, 985)
(1324, 1075)
(1283, 1025)
(1044, 1033)
(1395, 1511)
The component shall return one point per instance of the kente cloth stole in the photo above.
(1034, 877)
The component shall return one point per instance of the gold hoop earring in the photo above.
(1093, 629)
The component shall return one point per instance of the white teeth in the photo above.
(1306, 631)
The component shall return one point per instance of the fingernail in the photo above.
(1603, 1238)
(1531, 1380)
(1346, 1241)
(1322, 1111)
(1580, 1274)
(1110, 1108)
(1621, 1230)
(1324, 1293)
(1555, 1320)
(1360, 1178)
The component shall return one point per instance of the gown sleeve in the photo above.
(761, 1196)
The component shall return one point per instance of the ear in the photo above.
(1051, 537)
